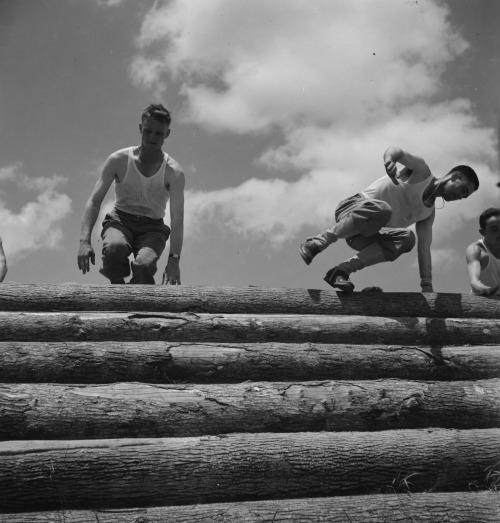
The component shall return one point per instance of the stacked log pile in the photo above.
(195, 404)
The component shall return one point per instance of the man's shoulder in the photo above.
(119, 159)
(116, 164)
(173, 167)
(421, 173)
(477, 249)
(120, 154)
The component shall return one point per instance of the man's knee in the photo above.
(408, 241)
(145, 264)
(144, 268)
(404, 242)
(145, 261)
(115, 250)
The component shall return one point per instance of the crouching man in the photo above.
(145, 178)
(483, 256)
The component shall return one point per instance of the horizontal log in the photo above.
(45, 475)
(249, 300)
(164, 362)
(112, 326)
(121, 410)
(456, 507)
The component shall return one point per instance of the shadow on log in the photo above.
(231, 328)
(247, 300)
(164, 362)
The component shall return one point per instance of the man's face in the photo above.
(154, 133)
(457, 188)
(491, 232)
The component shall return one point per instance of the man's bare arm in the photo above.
(172, 274)
(476, 257)
(424, 241)
(91, 212)
(3, 262)
(417, 165)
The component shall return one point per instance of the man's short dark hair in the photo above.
(157, 112)
(486, 215)
(467, 172)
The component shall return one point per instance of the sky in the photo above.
(280, 110)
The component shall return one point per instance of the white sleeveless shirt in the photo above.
(405, 200)
(138, 194)
(490, 275)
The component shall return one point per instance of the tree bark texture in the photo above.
(450, 507)
(223, 328)
(48, 475)
(258, 300)
(164, 362)
(123, 410)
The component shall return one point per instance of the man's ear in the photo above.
(140, 128)
(481, 232)
(167, 133)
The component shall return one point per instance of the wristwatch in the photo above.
(175, 256)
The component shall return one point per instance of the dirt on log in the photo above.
(452, 507)
(123, 410)
(259, 300)
(164, 362)
(41, 475)
(111, 326)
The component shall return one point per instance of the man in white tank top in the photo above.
(145, 178)
(3, 262)
(375, 221)
(483, 256)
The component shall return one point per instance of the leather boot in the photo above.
(339, 275)
(340, 279)
(313, 246)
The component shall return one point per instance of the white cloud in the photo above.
(109, 3)
(257, 207)
(9, 172)
(340, 80)
(146, 72)
(274, 62)
(37, 224)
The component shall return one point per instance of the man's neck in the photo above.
(432, 191)
(150, 155)
(494, 250)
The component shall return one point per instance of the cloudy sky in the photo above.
(280, 109)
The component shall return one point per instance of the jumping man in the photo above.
(375, 221)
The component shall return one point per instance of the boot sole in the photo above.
(304, 256)
(347, 287)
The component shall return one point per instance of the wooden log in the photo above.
(454, 507)
(249, 300)
(222, 328)
(45, 475)
(121, 410)
(164, 362)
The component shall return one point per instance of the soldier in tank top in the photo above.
(3, 262)
(375, 221)
(145, 179)
(483, 256)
